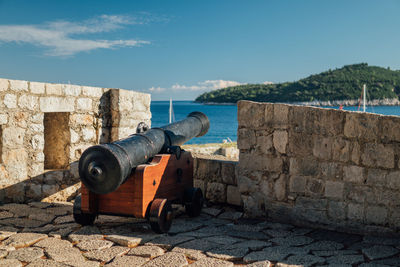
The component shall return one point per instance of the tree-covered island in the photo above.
(339, 84)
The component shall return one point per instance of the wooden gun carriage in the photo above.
(142, 175)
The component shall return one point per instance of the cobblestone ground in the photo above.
(43, 234)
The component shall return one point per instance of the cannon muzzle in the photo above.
(103, 168)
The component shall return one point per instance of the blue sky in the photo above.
(180, 49)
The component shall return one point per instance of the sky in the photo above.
(180, 49)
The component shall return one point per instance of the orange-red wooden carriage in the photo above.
(147, 193)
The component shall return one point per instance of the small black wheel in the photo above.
(193, 201)
(81, 217)
(160, 215)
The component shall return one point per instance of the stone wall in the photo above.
(217, 179)
(320, 167)
(44, 128)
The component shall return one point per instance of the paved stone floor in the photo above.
(43, 234)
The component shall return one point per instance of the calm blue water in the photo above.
(223, 119)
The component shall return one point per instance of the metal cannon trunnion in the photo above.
(142, 175)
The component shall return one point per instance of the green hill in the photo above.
(339, 84)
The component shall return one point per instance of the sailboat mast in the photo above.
(364, 97)
(170, 110)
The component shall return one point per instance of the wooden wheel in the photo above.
(80, 217)
(160, 215)
(193, 201)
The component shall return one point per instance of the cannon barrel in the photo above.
(103, 168)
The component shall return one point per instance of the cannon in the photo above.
(142, 175)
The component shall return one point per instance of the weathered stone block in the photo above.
(89, 134)
(341, 150)
(17, 85)
(92, 91)
(322, 148)
(81, 119)
(36, 169)
(251, 114)
(361, 126)
(393, 180)
(36, 127)
(300, 144)
(385, 196)
(246, 185)
(377, 177)
(280, 140)
(299, 117)
(307, 166)
(355, 212)
(233, 196)
(281, 116)
(353, 174)
(355, 153)
(84, 104)
(71, 90)
(228, 172)
(334, 189)
(36, 88)
(264, 144)
(53, 89)
(10, 101)
(13, 137)
(315, 187)
(246, 138)
(376, 215)
(337, 210)
(327, 122)
(74, 136)
(390, 129)
(18, 119)
(3, 119)
(4, 84)
(297, 184)
(37, 142)
(57, 104)
(331, 170)
(208, 170)
(216, 192)
(378, 155)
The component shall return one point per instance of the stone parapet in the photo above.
(217, 179)
(331, 168)
(44, 128)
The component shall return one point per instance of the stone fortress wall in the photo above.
(315, 167)
(334, 169)
(45, 127)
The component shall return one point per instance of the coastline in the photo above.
(317, 103)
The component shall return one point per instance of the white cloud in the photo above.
(207, 85)
(58, 36)
(156, 89)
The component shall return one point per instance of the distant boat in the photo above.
(364, 99)
(171, 112)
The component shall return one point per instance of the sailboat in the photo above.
(364, 97)
(171, 112)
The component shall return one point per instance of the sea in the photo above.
(223, 118)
